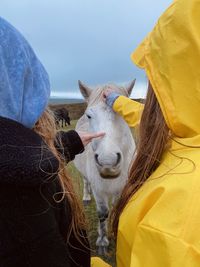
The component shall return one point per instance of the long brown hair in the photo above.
(153, 138)
(47, 129)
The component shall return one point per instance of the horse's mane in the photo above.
(96, 95)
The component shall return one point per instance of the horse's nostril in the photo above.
(118, 158)
(96, 157)
(97, 160)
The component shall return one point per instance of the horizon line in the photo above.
(139, 91)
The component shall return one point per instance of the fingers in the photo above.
(87, 137)
(91, 135)
(107, 92)
(98, 134)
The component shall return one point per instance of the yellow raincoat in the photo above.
(160, 226)
(129, 109)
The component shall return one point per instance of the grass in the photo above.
(90, 211)
(72, 126)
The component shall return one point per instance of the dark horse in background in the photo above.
(62, 114)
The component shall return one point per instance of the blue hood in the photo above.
(24, 83)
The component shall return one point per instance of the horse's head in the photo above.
(109, 152)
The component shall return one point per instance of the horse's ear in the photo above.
(129, 88)
(85, 90)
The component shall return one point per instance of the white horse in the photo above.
(105, 162)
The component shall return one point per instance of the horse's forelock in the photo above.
(96, 96)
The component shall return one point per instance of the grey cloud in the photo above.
(88, 40)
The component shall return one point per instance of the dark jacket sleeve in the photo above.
(69, 144)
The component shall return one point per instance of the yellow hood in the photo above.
(170, 55)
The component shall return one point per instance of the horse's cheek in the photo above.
(94, 145)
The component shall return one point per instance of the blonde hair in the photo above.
(47, 129)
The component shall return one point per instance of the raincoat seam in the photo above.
(168, 234)
(157, 230)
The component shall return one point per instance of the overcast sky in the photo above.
(88, 40)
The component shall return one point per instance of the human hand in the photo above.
(86, 137)
(109, 96)
(107, 92)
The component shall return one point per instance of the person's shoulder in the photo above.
(25, 159)
(12, 132)
(170, 196)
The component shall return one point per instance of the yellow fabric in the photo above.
(129, 109)
(161, 222)
(170, 56)
(160, 226)
(97, 262)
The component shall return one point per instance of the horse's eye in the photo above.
(89, 117)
